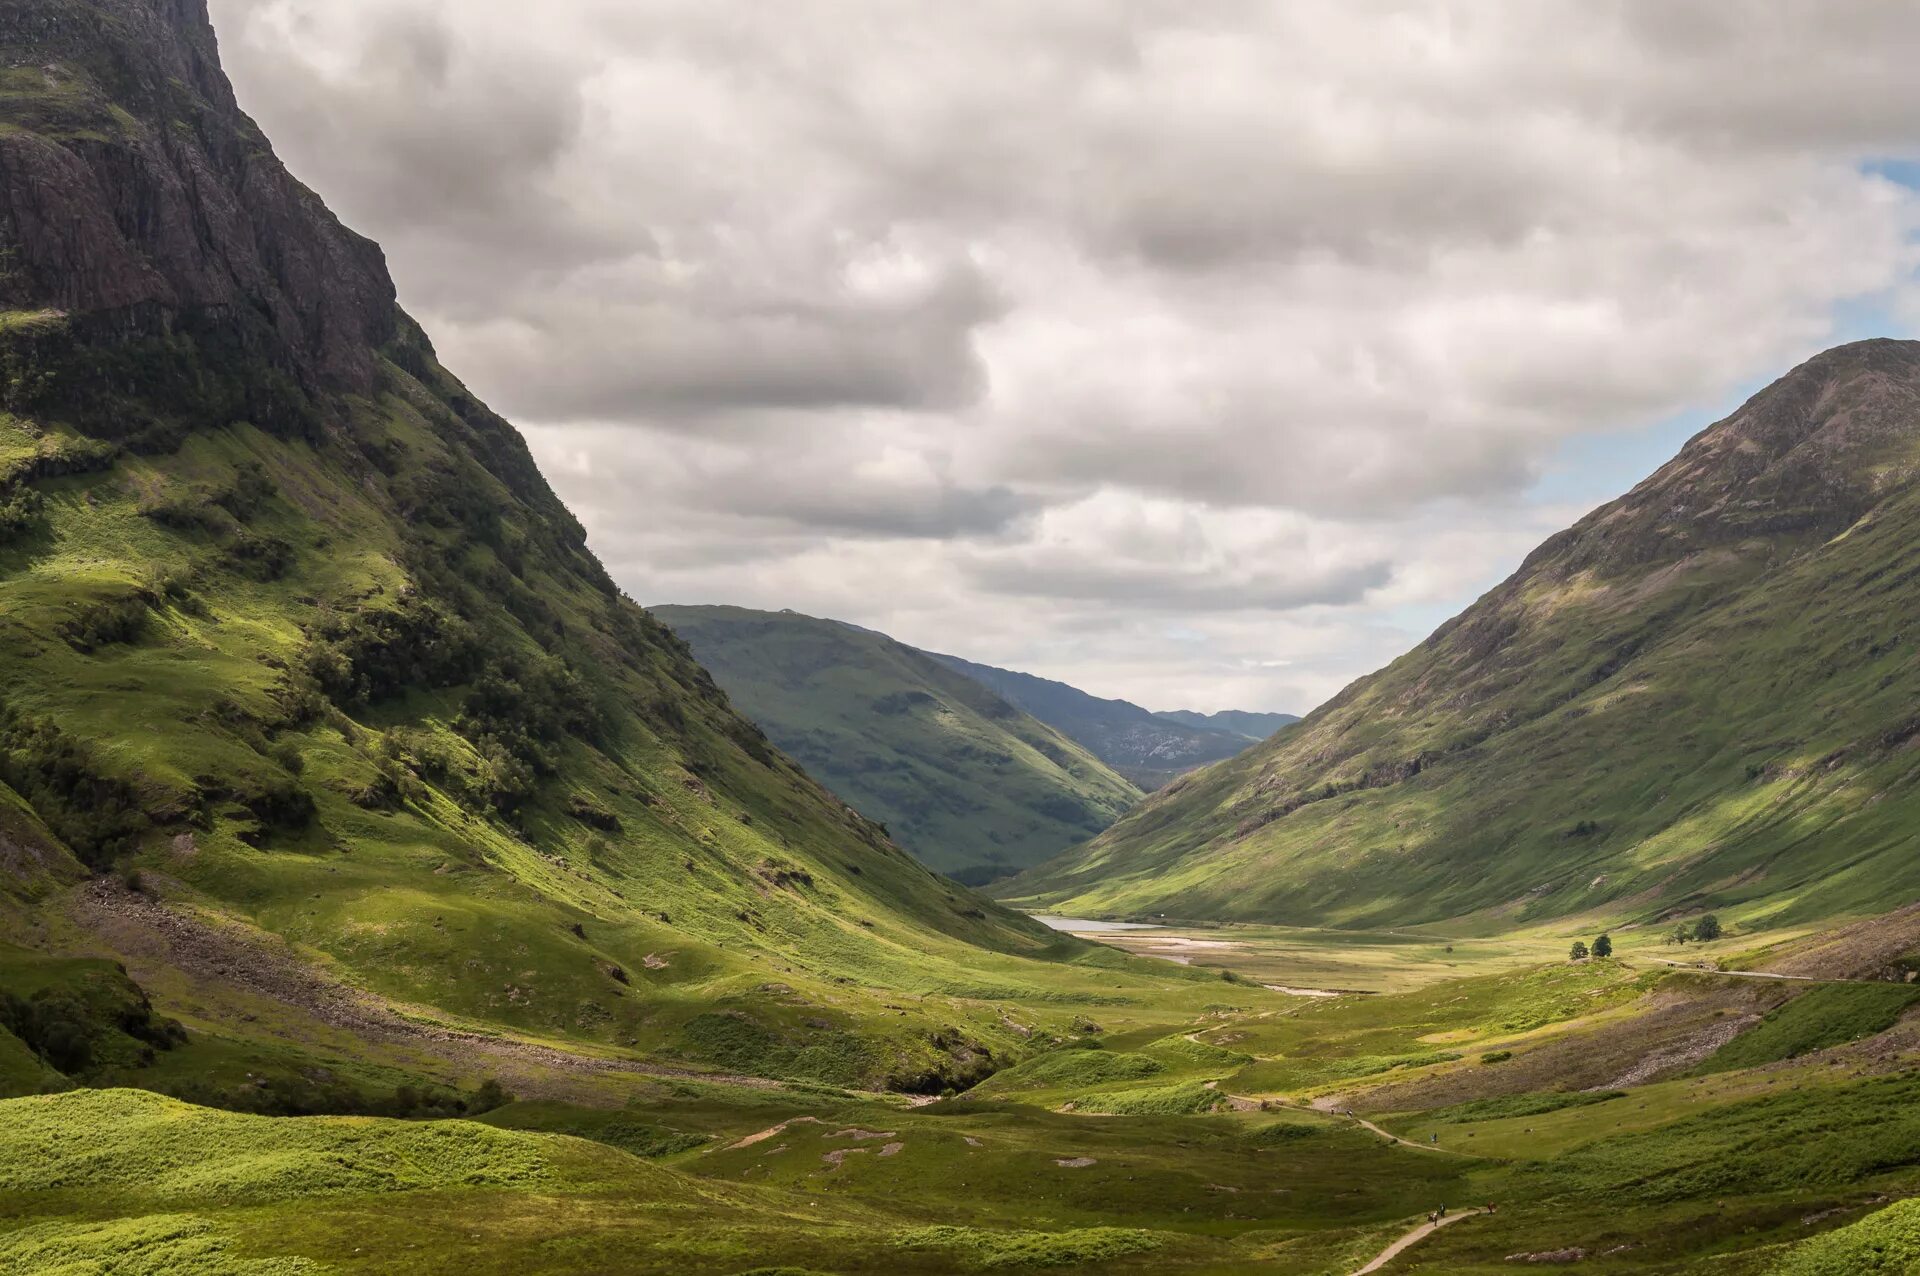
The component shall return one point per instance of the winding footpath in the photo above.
(1365, 1124)
(1411, 1239)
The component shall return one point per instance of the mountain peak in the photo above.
(1801, 460)
(1676, 702)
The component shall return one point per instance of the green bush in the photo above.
(109, 623)
(100, 817)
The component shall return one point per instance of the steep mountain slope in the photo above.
(1702, 695)
(298, 646)
(1252, 726)
(1148, 748)
(965, 781)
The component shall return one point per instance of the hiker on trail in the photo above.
(1436, 1136)
(1432, 1218)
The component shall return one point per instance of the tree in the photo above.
(1603, 946)
(1579, 952)
(489, 1096)
(1707, 929)
(1680, 935)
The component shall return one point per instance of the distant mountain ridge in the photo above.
(1148, 748)
(1252, 726)
(967, 782)
(1701, 696)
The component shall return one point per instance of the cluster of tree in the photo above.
(1602, 947)
(98, 816)
(67, 1031)
(1704, 931)
(317, 1093)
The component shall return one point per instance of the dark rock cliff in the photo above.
(136, 196)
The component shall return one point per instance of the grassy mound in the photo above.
(1079, 1067)
(130, 1141)
(1884, 1244)
(1829, 1015)
(1186, 1099)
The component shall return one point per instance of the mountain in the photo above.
(322, 730)
(1702, 695)
(1149, 749)
(1249, 726)
(971, 785)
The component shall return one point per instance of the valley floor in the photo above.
(1622, 1115)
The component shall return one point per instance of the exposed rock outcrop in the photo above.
(128, 224)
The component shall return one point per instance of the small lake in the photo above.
(1087, 926)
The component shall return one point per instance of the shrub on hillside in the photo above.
(108, 623)
(71, 1029)
(20, 513)
(100, 817)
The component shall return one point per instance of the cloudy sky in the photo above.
(1201, 352)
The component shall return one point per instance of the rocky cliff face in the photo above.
(135, 195)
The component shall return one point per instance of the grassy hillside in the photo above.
(1700, 698)
(1150, 749)
(971, 785)
(317, 713)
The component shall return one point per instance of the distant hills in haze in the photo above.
(981, 772)
(969, 783)
(1148, 748)
(1250, 726)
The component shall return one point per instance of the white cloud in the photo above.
(1172, 348)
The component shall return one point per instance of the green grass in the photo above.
(1887, 1243)
(1828, 1015)
(1522, 1105)
(967, 782)
(993, 1250)
(1142, 1174)
(1185, 1099)
(153, 1245)
(115, 1142)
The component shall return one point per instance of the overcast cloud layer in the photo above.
(1183, 350)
